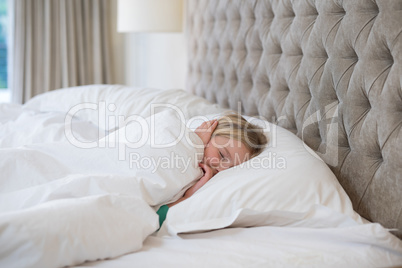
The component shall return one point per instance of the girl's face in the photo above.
(222, 153)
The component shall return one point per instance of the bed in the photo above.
(323, 78)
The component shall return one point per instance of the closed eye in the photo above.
(221, 155)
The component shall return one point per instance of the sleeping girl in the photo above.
(228, 141)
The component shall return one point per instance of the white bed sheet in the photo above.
(267, 246)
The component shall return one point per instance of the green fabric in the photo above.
(162, 211)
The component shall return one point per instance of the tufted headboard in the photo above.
(329, 71)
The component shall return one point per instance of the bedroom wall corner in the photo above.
(156, 60)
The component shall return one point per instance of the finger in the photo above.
(201, 165)
(202, 126)
(201, 183)
(203, 180)
(205, 126)
(207, 170)
(213, 126)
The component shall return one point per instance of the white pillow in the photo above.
(287, 176)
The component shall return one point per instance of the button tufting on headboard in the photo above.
(329, 71)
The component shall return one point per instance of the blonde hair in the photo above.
(234, 126)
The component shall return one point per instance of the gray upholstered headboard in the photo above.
(329, 71)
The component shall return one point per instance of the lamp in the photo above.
(149, 15)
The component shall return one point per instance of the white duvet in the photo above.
(62, 204)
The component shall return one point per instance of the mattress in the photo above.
(264, 247)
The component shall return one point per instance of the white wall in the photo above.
(157, 60)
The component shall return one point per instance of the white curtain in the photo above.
(61, 43)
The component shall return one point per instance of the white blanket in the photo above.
(62, 204)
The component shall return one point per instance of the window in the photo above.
(4, 92)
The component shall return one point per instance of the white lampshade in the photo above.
(149, 15)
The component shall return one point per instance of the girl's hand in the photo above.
(206, 129)
(208, 174)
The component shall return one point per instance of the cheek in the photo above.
(226, 163)
(242, 157)
(206, 151)
(210, 152)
